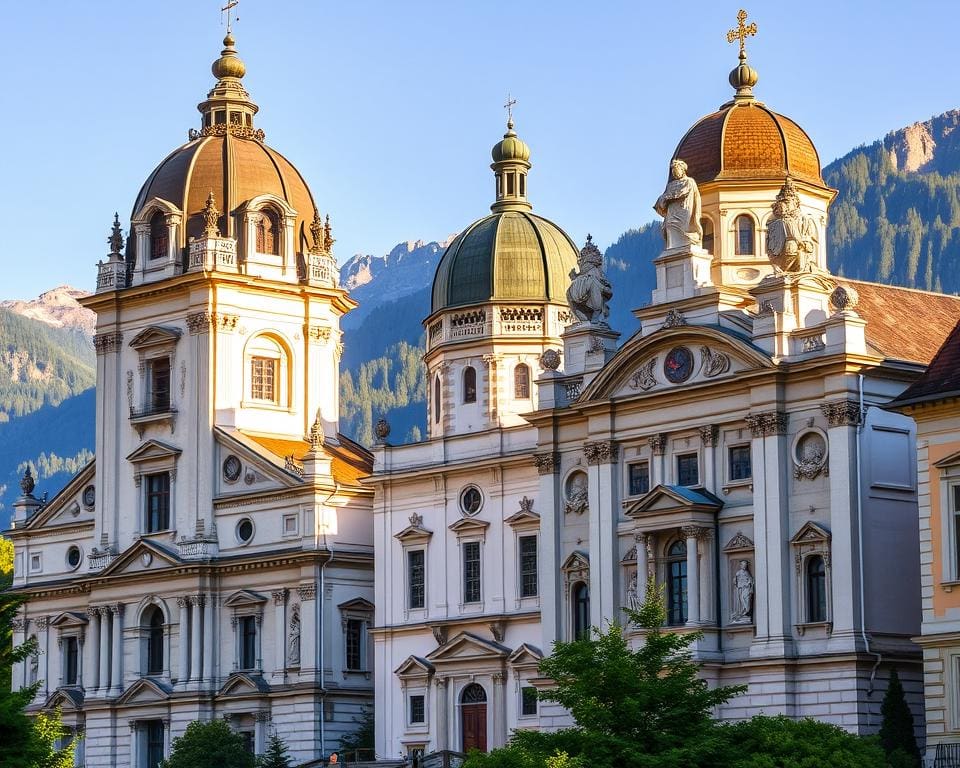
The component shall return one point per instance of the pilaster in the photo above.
(548, 493)
(602, 460)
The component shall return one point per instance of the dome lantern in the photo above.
(228, 107)
(511, 162)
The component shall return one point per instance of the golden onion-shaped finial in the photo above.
(743, 77)
(229, 64)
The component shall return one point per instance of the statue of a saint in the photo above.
(633, 595)
(577, 495)
(293, 652)
(590, 291)
(742, 595)
(791, 234)
(680, 207)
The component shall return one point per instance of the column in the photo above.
(18, 674)
(43, 624)
(692, 532)
(658, 446)
(183, 641)
(308, 628)
(104, 649)
(196, 603)
(209, 637)
(499, 710)
(279, 634)
(92, 680)
(442, 713)
(602, 457)
(709, 434)
(133, 743)
(260, 720)
(116, 679)
(643, 565)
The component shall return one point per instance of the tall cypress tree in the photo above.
(896, 731)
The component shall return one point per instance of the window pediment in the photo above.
(526, 656)
(241, 683)
(145, 690)
(811, 533)
(65, 699)
(468, 647)
(155, 336)
(469, 526)
(357, 605)
(953, 460)
(414, 668)
(245, 598)
(578, 561)
(415, 532)
(153, 450)
(69, 619)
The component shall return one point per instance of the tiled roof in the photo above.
(349, 462)
(942, 377)
(903, 323)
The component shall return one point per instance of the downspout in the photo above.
(321, 623)
(863, 608)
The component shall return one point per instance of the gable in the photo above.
(69, 619)
(414, 666)
(671, 498)
(244, 466)
(154, 336)
(71, 504)
(358, 605)
(242, 684)
(468, 647)
(152, 450)
(145, 690)
(810, 532)
(526, 655)
(146, 555)
(66, 699)
(244, 598)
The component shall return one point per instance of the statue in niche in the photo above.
(680, 207)
(293, 644)
(634, 600)
(590, 292)
(742, 595)
(791, 234)
(577, 495)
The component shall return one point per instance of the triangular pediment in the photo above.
(468, 647)
(243, 684)
(153, 449)
(577, 561)
(358, 604)
(154, 336)
(810, 532)
(525, 518)
(66, 699)
(145, 690)
(949, 461)
(526, 655)
(243, 598)
(260, 468)
(671, 498)
(468, 525)
(414, 666)
(69, 619)
(415, 532)
(67, 506)
(145, 555)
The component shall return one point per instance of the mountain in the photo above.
(57, 307)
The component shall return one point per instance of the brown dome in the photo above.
(235, 170)
(746, 140)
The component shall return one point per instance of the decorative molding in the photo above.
(841, 413)
(279, 596)
(709, 434)
(262, 716)
(658, 443)
(739, 543)
(674, 319)
(695, 532)
(768, 423)
(498, 629)
(107, 342)
(42, 623)
(18, 624)
(601, 452)
(644, 377)
(547, 463)
(844, 298)
(202, 322)
(234, 129)
(550, 359)
(307, 592)
(810, 452)
(318, 334)
(439, 633)
(714, 363)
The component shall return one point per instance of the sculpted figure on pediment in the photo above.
(680, 207)
(791, 234)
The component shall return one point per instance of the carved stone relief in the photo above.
(810, 455)
(714, 363)
(644, 377)
(576, 494)
(601, 452)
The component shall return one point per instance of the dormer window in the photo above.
(268, 232)
(159, 236)
(743, 228)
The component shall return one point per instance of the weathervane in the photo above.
(509, 107)
(229, 9)
(742, 31)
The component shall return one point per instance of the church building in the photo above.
(216, 559)
(733, 451)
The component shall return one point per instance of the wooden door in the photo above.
(474, 720)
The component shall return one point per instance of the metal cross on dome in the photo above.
(229, 9)
(742, 31)
(509, 107)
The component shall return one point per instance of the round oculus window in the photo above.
(245, 530)
(678, 365)
(89, 496)
(232, 469)
(73, 557)
(471, 500)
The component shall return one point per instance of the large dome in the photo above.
(509, 255)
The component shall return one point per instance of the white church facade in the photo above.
(216, 560)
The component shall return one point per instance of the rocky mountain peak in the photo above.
(931, 145)
(58, 307)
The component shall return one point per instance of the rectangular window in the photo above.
(354, 639)
(70, 660)
(36, 563)
(639, 478)
(528, 701)
(955, 500)
(688, 469)
(249, 741)
(154, 745)
(739, 461)
(415, 579)
(158, 502)
(248, 642)
(471, 572)
(263, 378)
(528, 566)
(418, 709)
(159, 383)
(510, 183)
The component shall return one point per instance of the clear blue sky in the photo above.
(389, 108)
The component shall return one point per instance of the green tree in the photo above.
(276, 755)
(209, 745)
(896, 730)
(6, 562)
(361, 739)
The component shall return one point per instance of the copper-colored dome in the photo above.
(746, 140)
(236, 170)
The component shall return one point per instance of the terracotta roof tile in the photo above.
(942, 377)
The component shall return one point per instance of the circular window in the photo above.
(89, 496)
(678, 365)
(471, 500)
(231, 469)
(245, 530)
(74, 557)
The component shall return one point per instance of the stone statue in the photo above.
(590, 292)
(633, 596)
(680, 207)
(577, 496)
(294, 642)
(791, 234)
(743, 595)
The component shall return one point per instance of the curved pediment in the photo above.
(675, 357)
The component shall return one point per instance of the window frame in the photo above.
(580, 610)
(467, 580)
(408, 570)
(244, 623)
(739, 235)
(469, 383)
(151, 649)
(522, 572)
(815, 614)
(264, 378)
(70, 661)
(731, 480)
(677, 457)
(423, 709)
(360, 625)
(630, 467)
(159, 237)
(521, 383)
(163, 494)
(522, 704)
(677, 584)
(269, 344)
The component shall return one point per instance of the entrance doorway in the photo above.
(473, 717)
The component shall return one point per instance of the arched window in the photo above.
(677, 584)
(267, 368)
(816, 589)
(473, 694)
(469, 384)
(268, 232)
(744, 230)
(153, 628)
(521, 381)
(436, 400)
(707, 226)
(159, 236)
(581, 611)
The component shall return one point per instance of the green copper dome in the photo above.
(507, 256)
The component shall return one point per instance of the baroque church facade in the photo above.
(733, 452)
(216, 560)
